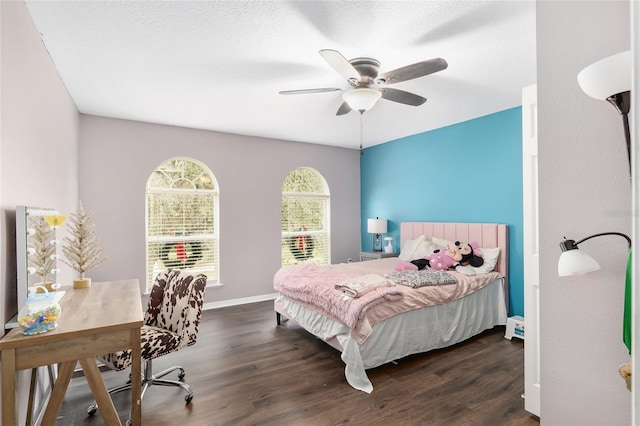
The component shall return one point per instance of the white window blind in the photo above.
(305, 218)
(182, 206)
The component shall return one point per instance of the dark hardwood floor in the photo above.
(245, 370)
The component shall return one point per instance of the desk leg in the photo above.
(32, 394)
(100, 392)
(58, 393)
(9, 394)
(136, 378)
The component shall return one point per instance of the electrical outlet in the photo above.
(348, 260)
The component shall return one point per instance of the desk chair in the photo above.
(170, 324)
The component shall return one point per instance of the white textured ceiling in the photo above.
(219, 65)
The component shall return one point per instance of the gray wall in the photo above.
(118, 156)
(38, 145)
(584, 189)
(38, 137)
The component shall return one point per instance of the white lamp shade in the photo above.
(361, 99)
(607, 77)
(576, 262)
(377, 226)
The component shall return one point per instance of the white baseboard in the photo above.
(241, 301)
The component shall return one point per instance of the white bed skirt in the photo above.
(417, 331)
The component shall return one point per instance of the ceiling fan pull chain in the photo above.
(361, 114)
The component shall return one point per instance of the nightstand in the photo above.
(370, 255)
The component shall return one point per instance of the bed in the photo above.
(391, 321)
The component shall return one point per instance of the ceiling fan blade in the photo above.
(402, 97)
(344, 109)
(340, 64)
(303, 91)
(409, 72)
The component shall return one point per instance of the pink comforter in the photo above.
(314, 287)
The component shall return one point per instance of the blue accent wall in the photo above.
(467, 172)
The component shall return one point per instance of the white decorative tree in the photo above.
(82, 250)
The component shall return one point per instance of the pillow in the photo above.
(440, 243)
(490, 256)
(425, 248)
(466, 270)
(410, 247)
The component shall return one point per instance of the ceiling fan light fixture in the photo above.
(362, 98)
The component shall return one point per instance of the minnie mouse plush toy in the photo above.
(455, 254)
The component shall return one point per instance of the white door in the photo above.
(531, 250)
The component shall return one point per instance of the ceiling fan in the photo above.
(367, 86)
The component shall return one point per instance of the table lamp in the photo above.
(377, 227)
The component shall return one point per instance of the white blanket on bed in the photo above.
(356, 287)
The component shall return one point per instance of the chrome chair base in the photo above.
(150, 379)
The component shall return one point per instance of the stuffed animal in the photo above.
(453, 256)
(442, 260)
(439, 260)
(466, 254)
(403, 265)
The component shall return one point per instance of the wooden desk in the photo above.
(103, 318)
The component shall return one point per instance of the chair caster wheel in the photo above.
(92, 409)
(188, 398)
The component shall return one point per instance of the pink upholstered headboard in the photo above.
(488, 235)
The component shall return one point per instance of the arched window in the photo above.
(305, 218)
(182, 219)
